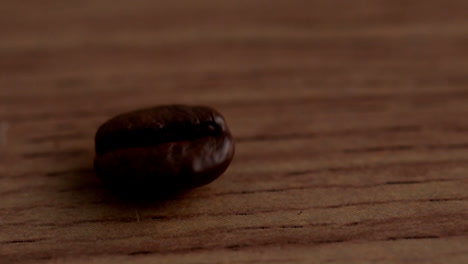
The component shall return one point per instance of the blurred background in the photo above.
(121, 54)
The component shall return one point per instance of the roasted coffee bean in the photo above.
(163, 150)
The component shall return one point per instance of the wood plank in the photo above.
(349, 119)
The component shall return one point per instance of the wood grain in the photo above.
(349, 117)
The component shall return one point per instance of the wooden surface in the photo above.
(350, 119)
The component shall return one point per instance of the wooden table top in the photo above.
(349, 118)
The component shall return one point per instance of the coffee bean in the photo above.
(163, 150)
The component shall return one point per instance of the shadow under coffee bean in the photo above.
(162, 151)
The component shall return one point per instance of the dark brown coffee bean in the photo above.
(163, 150)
